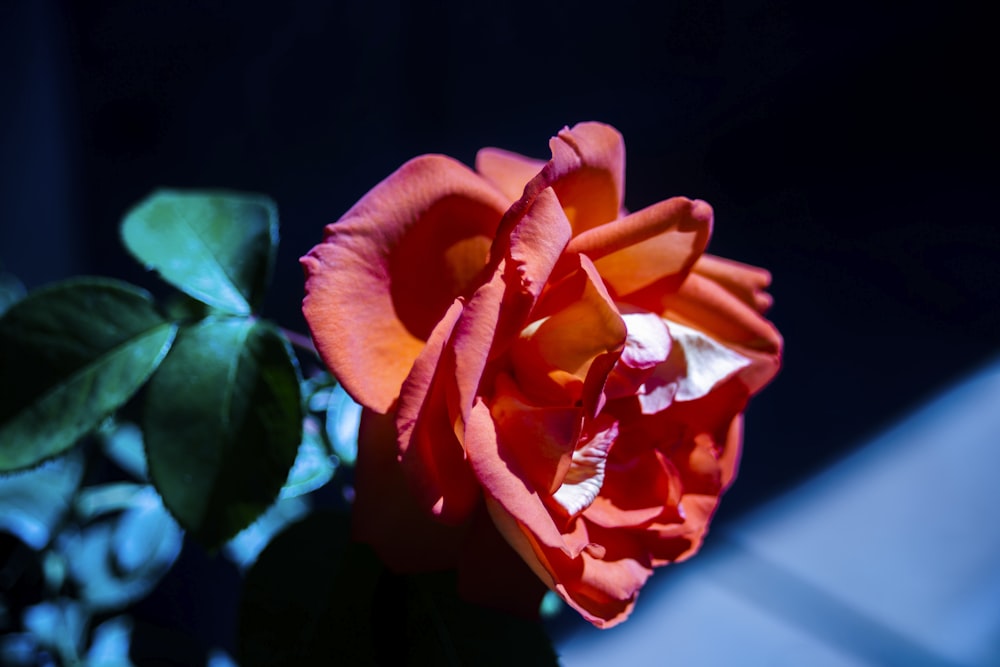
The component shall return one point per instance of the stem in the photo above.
(300, 341)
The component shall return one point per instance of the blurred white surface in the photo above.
(890, 557)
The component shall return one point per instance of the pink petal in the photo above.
(395, 262)
(678, 542)
(695, 366)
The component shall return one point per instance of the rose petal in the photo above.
(508, 171)
(576, 323)
(707, 363)
(647, 343)
(587, 172)
(695, 366)
(746, 282)
(538, 240)
(585, 476)
(636, 491)
(713, 425)
(497, 310)
(602, 590)
(677, 542)
(659, 243)
(546, 435)
(507, 483)
(395, 262)
(429, 450)
(709, 306)
(385, 515)
(605, 589)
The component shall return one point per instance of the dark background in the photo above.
(849, 147)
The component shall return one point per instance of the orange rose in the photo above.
(574, 372)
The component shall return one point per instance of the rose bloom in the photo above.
(538, 363)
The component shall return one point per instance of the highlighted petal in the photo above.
(696, 365)
(648, 341)
(585, 477)
(395, 262)
(707, 363)
(708, 305)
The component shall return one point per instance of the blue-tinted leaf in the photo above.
(222, 423)
(58, 625)
(219, 658)
(215, 246)
(343, 417)
(120, 559)
(33, 502)
(11, 291)
(19, 650)
(94, 501)
(551, 605)
(54, 569)
(245, 547)
(70, 355)
(123, 445)
(313, 465)
(145, 534)
(110, 645)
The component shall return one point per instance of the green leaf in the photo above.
(215, 246)
(70, 355)
(222, 424)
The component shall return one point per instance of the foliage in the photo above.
(130, 427)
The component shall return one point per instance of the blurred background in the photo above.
(851, 148)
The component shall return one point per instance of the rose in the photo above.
(549, 367)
